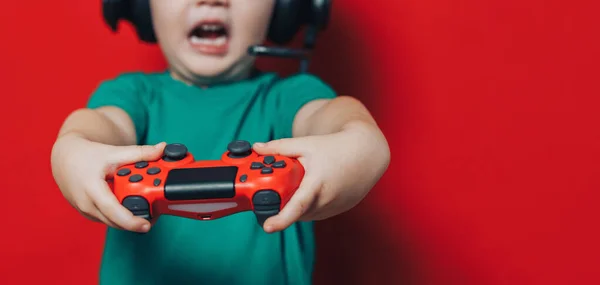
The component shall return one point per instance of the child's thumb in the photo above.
(135, 153)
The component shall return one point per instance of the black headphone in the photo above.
(289, 16)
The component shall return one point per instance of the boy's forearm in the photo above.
(96, 126)
(335, 115)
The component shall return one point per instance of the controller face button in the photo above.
(256, 165)
(269, 159)
(175, 152)
(239, 149)
(141, 164)
(135, 178)
(123, 172)
(156, 182)
(244, 178)
(279, 164)
(153, 170)
(266, 170)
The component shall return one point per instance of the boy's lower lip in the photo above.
(209, 49)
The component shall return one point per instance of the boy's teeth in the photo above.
(210, 27)
(219, 41)
(215, 42)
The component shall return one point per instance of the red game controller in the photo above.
(206, 190)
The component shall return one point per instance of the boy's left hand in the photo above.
(340, 169)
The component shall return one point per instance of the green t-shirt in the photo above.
(231, 250)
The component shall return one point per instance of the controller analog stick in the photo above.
(239, 149)
(175, 152)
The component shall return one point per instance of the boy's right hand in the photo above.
(80, 168)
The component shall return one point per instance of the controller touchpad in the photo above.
(201, 183)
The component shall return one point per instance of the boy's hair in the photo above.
(288, 17)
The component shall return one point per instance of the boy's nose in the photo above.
(213, 2)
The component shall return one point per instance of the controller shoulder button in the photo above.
(135, 178)
(153, 170)
(138, 206)
(279, 164)
(124, 172)
(266, 170)
(141, 164)
(266, 198)
(269, 159)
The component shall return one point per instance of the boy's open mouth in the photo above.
(209, 37)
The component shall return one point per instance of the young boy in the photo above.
(210, 96)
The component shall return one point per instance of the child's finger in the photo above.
(110, 207)
(89, 211)
(292, 147)
(135, 153)
(296, 207)
(98, 216)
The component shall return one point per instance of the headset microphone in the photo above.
(302, 54)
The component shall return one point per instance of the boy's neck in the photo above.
(208, 81)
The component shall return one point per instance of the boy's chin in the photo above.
(213, 75)
(218, 71)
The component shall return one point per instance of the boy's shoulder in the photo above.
(151, 80)
(302, 82)
(134, 79)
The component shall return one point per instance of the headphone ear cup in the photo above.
(285, 21)
(136, 12)
(113, 11)
(141, 17)
(321, 11)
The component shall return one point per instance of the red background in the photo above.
(490, 108)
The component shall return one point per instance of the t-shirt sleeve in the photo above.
(293, 93)
(126, 92)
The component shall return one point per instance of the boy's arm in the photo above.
(343, 152)
(105, 125)
(325, 116)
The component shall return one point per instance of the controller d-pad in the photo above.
(124, 172)
(279, 164)
(141, 164)
(256, 165)
(135, 178)
(153, 170)
(138, 206)
(266, 170)
(269, 159)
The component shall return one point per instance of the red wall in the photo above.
(490, 108)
